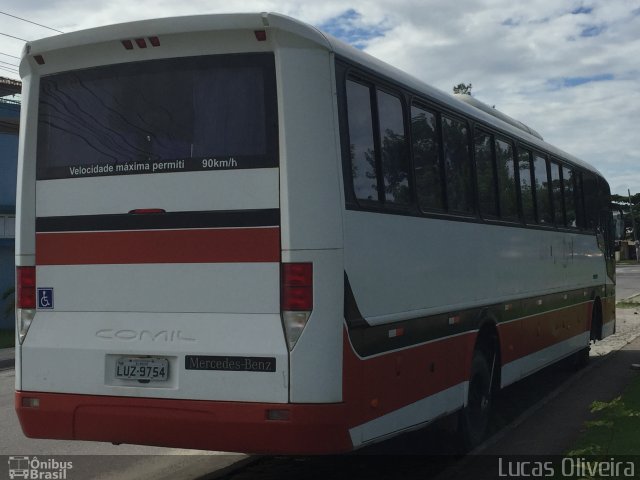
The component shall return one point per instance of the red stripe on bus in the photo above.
(523, 337)
(378, 385)
(201, 424)
(159, 246)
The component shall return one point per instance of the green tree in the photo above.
(621, 202)
(464, 89)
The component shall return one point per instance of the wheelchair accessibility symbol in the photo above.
(45, 298)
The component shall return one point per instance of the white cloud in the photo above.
(523, 57)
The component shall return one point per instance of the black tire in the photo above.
(474, 418)
(580, 359)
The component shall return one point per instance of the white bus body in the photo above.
(194, 261)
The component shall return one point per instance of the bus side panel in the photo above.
(311, 206)
(310, 172)
(536, 284)
(26, 191)
(535, 341)
(406, 388)
(441, 265)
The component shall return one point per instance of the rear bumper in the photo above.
(205, 425)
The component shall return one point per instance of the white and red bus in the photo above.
(238, 233)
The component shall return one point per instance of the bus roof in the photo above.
(259, 21)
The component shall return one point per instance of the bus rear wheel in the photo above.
(474, 417)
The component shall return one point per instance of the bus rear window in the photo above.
(186, 114)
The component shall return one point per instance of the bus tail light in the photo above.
(25, 299)
(26, 287)
(296, 302)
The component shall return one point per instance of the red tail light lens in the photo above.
(26, 287)
(297, 287)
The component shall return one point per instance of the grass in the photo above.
(623, 304)
(7, 338)
(614, 430)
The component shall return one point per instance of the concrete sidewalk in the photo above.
(554, 425)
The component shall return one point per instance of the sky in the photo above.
(570, 69)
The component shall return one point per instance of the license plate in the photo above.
(142, 369)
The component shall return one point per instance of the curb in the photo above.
(635, 298)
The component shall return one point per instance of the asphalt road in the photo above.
(627, 281)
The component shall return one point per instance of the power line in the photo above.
(11, 36)
(29, 21)
(12, 70)
(12, 56)
(7, 63)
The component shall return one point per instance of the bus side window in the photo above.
(426, 159)
(569, 197)
(556, 186)
(591, 207)
(486, 175)
(506, 180)
(393, 150)
(457, 163)
(361, 142)
(543, 201)
(526, 186)
(581, 219)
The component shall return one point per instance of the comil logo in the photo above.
(36, 469)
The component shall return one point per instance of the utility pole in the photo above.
(633, 226)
